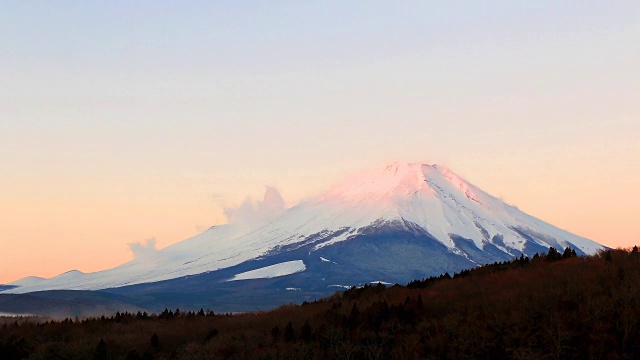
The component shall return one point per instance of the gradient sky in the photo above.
(122, 121)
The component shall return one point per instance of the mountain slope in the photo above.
(392, 224)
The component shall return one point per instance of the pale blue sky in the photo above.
(170, 110)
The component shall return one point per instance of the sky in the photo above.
(126, 125)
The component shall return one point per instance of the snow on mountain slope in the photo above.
(440, 202)
(28, 281)
(428, 196)
(271, 271)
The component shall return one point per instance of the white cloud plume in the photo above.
(252, 212)
(144, 250)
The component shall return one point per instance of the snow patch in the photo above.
(342, 237)
(341, 286)
(381, 282)
(327, 260)
(271, 271)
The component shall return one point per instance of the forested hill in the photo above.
(555, 305)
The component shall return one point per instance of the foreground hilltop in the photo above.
(552, 306)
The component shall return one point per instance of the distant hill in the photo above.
(66, 303)
(6, 287)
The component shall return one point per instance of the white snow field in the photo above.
(271, 271)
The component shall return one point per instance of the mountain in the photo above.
(391, 224)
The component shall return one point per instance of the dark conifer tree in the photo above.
(289, 334)
(133, 355)
(275, 332)
(553, 254)
(354, 310)
(101, 351)
(305, 331)
(608, 257)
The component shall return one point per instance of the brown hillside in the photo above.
(552, 307)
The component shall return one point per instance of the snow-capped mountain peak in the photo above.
(396, 179)
(428, 205)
